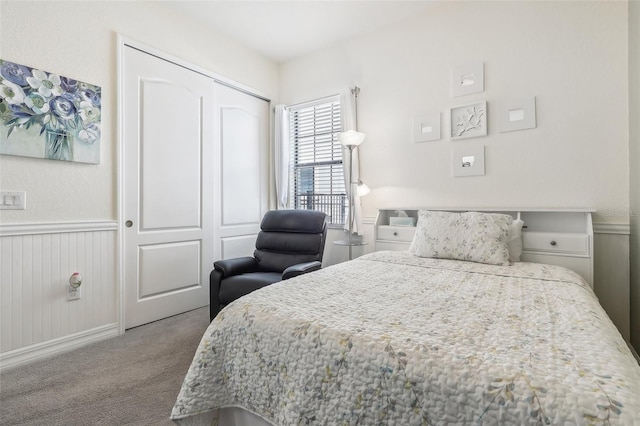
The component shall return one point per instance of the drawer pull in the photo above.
(553, 243)
(395, 233)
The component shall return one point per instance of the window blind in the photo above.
(317, 175)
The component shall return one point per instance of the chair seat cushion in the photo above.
(237, 286)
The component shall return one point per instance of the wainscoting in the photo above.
(611, 281)
(36, 261)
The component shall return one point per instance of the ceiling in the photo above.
(282, 30)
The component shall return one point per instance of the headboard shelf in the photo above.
(561, 237)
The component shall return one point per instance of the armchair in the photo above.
(290, 243)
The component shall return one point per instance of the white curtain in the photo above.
(282, 156)
(349, 122)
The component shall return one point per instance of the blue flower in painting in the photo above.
(68, 85)
(63, 108)
(91, 96)
(15, 73)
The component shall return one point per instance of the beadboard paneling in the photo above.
(36, 262)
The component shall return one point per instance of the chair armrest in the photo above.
(236, 266)
(300, 268)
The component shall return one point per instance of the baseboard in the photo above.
(31, 353)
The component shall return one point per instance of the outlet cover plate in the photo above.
(73, 293)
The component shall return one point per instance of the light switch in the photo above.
(11, 200)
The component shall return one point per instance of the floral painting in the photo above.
(45, 115)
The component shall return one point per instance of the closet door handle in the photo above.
(128, 224)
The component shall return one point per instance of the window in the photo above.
(317, 175)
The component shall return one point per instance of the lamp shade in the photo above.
(362, 189)
(351, 138)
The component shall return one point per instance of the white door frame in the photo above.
(122, 43)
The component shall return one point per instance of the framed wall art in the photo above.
(45, 115)
(467, 160)
(426, 127)
(467, 79)
(517, 114)
(468, 121)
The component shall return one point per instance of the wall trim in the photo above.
(368, 220)
(612, 228)
(56, 228)
(32, 353)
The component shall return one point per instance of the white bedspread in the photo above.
(394, 339)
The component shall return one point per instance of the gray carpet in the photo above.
(127, 380)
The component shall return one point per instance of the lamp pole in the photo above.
(350, 140)
(351, 199)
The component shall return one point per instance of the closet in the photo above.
(193, 180)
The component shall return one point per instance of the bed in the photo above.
(413, 338)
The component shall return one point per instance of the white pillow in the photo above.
(514, 240)
(472, 236)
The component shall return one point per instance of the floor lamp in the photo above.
(351, 139)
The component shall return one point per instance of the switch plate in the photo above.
(13, 200)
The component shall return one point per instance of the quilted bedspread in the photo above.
(394, 339)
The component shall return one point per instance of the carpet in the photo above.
(127, 380)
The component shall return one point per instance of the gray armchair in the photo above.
(290, 243)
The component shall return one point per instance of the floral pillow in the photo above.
(472, 236)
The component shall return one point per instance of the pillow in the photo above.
(514, 241)
(472, 236)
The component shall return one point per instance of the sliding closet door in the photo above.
(241, 141)
(168, 172)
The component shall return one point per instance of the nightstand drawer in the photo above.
(556, 242)
(396, 233)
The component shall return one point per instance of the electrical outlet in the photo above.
(73, 293)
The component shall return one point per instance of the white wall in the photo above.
(634, 166)
(78, 39)
(572, 56)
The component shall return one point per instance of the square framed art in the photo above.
(517, 114)
(468, 121)
(467, 160)
(426, 127)
(467, 79)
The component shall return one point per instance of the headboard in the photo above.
(556, 237)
